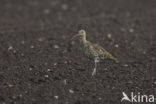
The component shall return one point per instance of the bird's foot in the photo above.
(94, 72)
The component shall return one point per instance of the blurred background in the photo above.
(39, 64)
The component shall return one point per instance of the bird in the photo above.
(93, 51)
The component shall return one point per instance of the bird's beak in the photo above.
(75, 36)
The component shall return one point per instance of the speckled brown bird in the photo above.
(93, 51)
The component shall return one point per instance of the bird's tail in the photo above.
(114, 59)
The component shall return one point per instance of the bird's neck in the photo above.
(84, 39)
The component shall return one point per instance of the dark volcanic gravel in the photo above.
(39, 64)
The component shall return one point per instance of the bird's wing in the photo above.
(103, 53)
(91, 48)
(99, 51)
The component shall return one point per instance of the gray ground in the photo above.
(39, 65)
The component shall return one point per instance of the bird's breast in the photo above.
(89, 53)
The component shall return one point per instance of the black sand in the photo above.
(39, 66)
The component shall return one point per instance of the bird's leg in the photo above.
(94, 71)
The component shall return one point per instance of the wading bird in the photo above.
(93, 51)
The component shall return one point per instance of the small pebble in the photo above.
(48, 70)
(45, 63)
(20, 95)
(14, 51)
(56, 46)
(25, 92)
(123, 29)
(113, 87)
(105, 69)
(65, 82)
(10, 85)
(31, 46)
(10, 48)
(125, 65)
(131, 30)
(64, 6)
(23, 42)
(65, 62)
(40, 39)
(46, 11)
(126, 41)
(55, 64)
(71, 91)
(56, 97)
(144, 52)
(116, 45)
(109, 36)
(130, 81)
(46, 76)
(100, 98)
(30, 69)
(154, 82)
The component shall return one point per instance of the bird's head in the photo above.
(81, 34)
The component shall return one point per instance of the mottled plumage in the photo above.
(97, 51)
(93, 51)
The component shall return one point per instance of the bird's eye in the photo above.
(82, 31)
